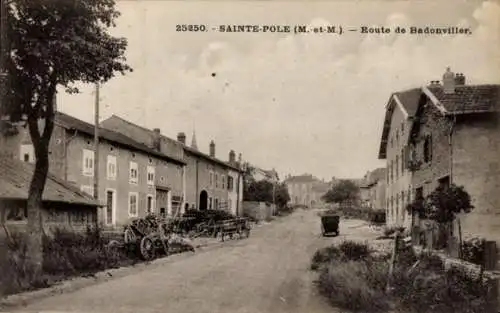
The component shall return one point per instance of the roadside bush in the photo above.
(353, 250)
(353, 279)
(354, 285)
(66, 254)
(473, 250)
(324, 256)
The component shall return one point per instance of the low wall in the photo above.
(259, 211)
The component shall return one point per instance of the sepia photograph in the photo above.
(250, 156)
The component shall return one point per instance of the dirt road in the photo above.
(268, 272)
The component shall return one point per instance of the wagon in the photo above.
(330, 224)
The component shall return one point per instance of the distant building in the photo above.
(373, 189)
(306, 189)
(268, 175)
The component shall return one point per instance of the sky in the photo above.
(299, 103)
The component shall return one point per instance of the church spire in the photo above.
(194, 145)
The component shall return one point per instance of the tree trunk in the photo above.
(34, 244)
(443, 235)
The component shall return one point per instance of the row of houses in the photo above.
(445, 132)
(140, 170)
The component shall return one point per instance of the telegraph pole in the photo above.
(96, 143)
(3, 44)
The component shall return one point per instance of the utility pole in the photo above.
(96, 143)
(3, 44)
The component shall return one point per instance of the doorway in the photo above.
(110, 207)
(203, 200)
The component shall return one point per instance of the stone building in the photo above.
(208, 182)
(455, 138)
(306, 189)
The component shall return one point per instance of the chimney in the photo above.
(181, 137)
(459, 79)
(448, 81)
(212, 149)
(232, 157)
(156, 139)
(435, 83)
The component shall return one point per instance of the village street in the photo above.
(268, 272)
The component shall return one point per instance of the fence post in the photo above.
(395, 250)
(490, 255)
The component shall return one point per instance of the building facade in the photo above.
(373, 189)
(306, 189)
(207, 182)
(170, 183)
(399, 114)
(132, 176)
(207, 179)
(456, 139)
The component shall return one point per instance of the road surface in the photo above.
(268, 272)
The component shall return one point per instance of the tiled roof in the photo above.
(186, 148)
(16, 178)
(469, 98)
(111, 136)
(409, 99)
(301, 179)
(209, 158)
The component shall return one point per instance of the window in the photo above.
(151, 175)
(216, 203)
(230, 204)
(16, 213)
(402, 127)
(403, 202)
(223, 181)
(133, 203)
(111, 167)
(133, 173)
(403, 160)
(27, 153)
(88, 190)
(150, 204)
(428, 149)
(397, 166)
(419, 193)
(210, 203)
(392, 170)
(88, 162)
(211, 178)
(230, 183)
(216, 180)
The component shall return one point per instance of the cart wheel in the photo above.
(147, 248)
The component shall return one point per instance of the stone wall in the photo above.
(259, 211)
